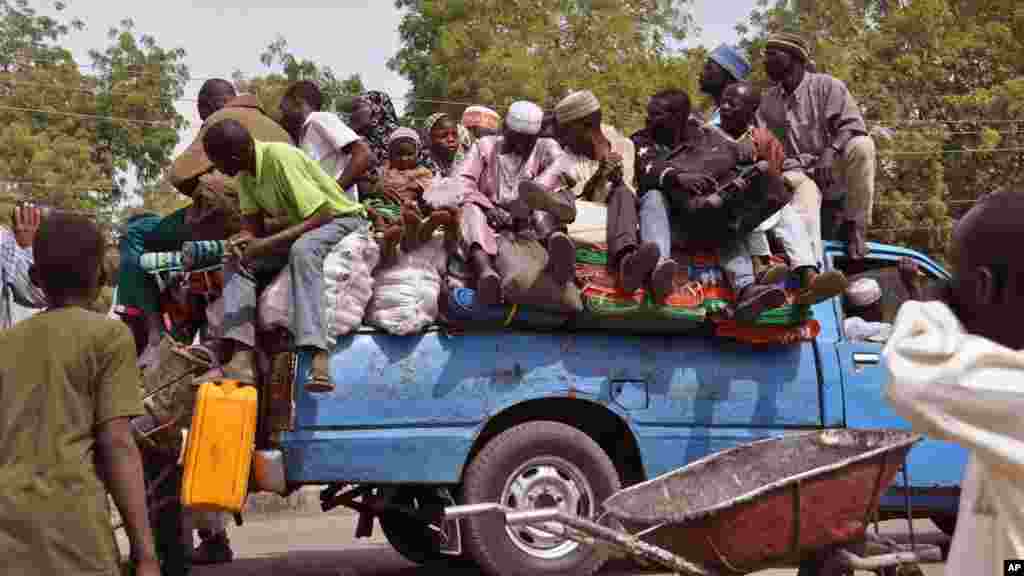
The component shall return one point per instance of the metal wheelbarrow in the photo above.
(778, 502)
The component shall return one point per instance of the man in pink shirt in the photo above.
(495, 173)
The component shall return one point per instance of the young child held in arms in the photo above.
(68, 388)
(398, 207)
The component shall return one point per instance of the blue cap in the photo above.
(732, 60)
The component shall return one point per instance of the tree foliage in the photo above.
(60, 144)
(494, 52)
(286, 68)
(944, 79)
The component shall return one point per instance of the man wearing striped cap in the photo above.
(829, 154)
(601, 162)
(494, 174)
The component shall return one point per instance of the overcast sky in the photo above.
(350, 36)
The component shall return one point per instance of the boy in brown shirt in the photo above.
(68, 387)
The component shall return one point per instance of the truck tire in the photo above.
(413, 540)
(536, 465)
(945, 523)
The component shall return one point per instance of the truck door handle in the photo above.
(866, 358)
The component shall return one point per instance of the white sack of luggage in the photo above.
(405, 295)
(591, 221)
(348, 283)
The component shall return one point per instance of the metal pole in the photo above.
(631, 544)
(906, 502)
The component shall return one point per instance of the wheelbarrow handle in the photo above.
(632, 545)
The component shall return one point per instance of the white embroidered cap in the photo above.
(524, 117)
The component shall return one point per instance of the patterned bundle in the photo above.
(202, 254)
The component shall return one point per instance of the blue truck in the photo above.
(540, 419)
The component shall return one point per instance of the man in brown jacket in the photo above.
(213, 214)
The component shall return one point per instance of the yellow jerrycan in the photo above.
(220, 446)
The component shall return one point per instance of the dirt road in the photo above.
(324, 546)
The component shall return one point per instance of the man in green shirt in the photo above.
(293, 213)
(68, 389)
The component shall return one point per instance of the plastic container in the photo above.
(220, 447)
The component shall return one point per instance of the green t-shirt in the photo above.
(289, 183)
(63, 372)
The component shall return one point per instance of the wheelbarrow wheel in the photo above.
(532, 466)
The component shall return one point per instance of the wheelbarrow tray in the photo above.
(767, 503)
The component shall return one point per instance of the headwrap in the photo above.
(481, 116)
(575, 106)
(383, 121)
(734, 62)
(790, 43)
(863, 292)
(525, 118)
(433, 119)
(427, 159)
(404, 134)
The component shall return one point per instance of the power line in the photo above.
(88, 116)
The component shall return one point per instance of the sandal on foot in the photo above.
(755, 299)
(773, 274)
(637, 266)
(318, 378)
(824, 286)
(663, 280)
(561, 257)
(488, 289)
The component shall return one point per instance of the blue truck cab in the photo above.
(537, 419)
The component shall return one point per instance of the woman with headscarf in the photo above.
(373, 117)
(444, 149)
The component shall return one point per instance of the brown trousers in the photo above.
(623, 223)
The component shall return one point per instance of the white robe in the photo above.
(962, 388)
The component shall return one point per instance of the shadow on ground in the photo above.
(369, 561)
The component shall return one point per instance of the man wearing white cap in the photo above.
(492, 174)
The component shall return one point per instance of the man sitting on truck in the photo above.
(211, 216)
(738, 115)
(679, 167)
(293, 213)
(828, 149)
(492, 173)
(324, 136)
(602, 164)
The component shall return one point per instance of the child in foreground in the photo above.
(68, 388)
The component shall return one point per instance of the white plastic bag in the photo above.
(444, 193)
(405, 295)
(275, 302)
(348, 283)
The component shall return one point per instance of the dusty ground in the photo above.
(324, 545)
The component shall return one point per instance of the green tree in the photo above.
(61, 144)
(286, 68)
(494, 52)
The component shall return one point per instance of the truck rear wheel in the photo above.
(531, 466)
(414, 540)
